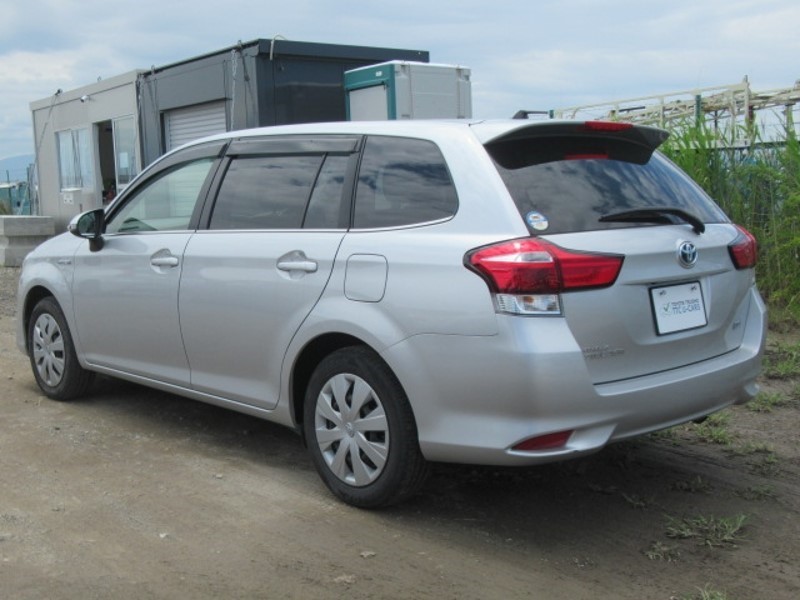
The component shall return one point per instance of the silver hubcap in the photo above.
(351, 429)
(48, 350)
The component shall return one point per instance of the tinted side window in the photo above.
(325, 207)
(164, 203)
(265, 192)
(401, 182)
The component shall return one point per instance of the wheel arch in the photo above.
(308, 359)
(32, 298)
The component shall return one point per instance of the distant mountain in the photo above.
(15, 167)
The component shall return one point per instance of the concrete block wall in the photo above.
(21, 234)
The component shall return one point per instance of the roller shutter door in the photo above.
(183, 125)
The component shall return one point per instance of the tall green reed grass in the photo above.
(758, 185)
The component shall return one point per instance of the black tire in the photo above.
(369, 457)
(52, 353)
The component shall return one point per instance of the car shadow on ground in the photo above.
(631, 485)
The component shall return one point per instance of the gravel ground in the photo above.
(8, 290)
(134, 493)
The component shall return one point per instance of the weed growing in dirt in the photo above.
(666, 435)
(750, 448)
(768, 466)
(661, 551)
(782, 361)
(757, 492)
(766, 401)
(694, 486)
(714, 430)
(637, 501)
(710, 531)
(705, 593)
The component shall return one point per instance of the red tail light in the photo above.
(744, 249)
(534, 266)
(528, 275)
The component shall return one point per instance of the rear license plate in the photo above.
(678, 307)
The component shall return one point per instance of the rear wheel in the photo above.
(361, 431)
(55, 364)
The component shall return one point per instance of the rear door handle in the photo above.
(309, 266)
(296, 260)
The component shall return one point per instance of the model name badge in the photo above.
(595, 352)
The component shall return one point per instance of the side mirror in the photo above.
(89, 225)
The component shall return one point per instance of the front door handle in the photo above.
(164, 258)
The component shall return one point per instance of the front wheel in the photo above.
(55, 364)
(361, 431)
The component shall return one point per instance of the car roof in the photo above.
(485, 131)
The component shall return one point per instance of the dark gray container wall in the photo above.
(262, 83)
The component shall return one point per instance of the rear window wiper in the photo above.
(655, 215)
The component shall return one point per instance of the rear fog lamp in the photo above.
(548, 441)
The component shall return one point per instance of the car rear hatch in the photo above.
(600, 190)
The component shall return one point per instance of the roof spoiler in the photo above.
(541, 142)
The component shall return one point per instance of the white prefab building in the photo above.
(87, 146)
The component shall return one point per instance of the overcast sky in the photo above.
(523, 54)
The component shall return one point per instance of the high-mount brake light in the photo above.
(595, 156)
(744, 249)
(607, 126)
(528, 275)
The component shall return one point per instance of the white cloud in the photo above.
(523, 54)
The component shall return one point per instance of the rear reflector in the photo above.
(547, 441)
(744, 249)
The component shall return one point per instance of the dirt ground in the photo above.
(132, 493)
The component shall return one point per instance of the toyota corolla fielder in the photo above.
(501, 293)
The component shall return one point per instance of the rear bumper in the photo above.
(474, 398)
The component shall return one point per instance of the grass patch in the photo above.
(708, 531)
(768, 466)
(696, 485)
(637, 501)
(758, 493)
(707, 593)
(765, 402)
(714, 430)
(661, 551)
(750, 448)
(782, 361)
(666, 435)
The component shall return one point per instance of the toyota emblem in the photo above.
(687, 254)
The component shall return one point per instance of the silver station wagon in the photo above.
(499, 293)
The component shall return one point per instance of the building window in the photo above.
(125, 151)
(75, 162)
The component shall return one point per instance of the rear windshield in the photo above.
(571, 195)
